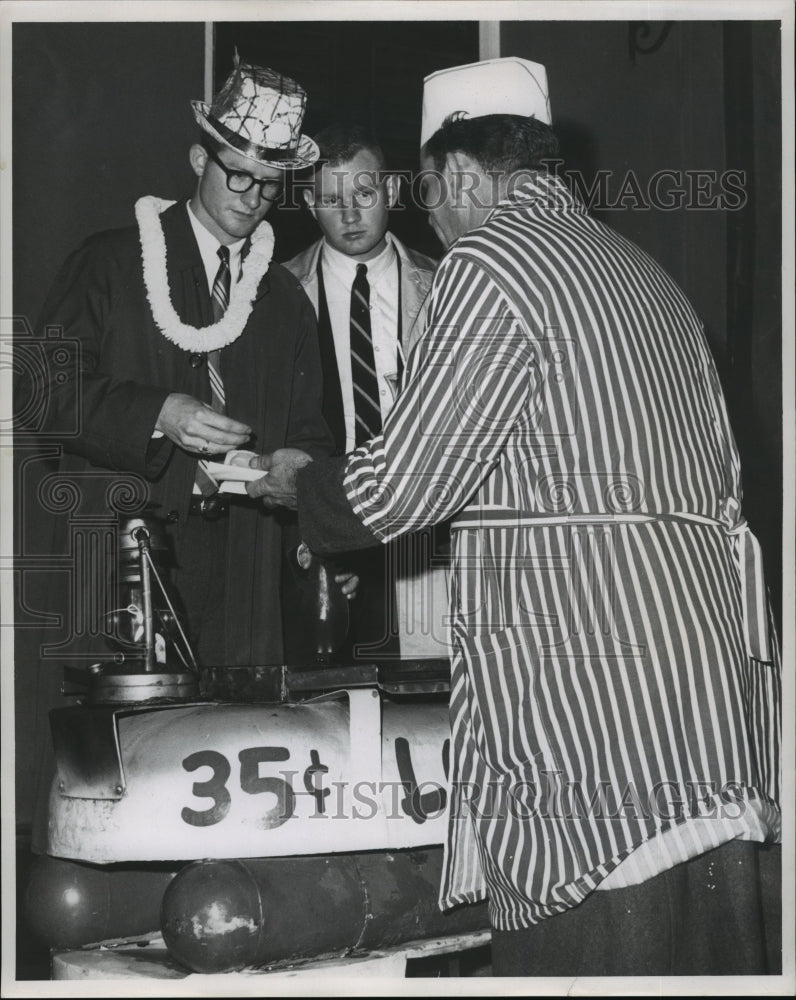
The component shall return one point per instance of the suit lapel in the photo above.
(412, 293)
(332, 407)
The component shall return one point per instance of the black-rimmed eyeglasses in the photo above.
(240, 181)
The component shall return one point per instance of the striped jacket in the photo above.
(613, 677)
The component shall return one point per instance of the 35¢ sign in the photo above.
(225, 781)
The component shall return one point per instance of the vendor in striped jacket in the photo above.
(615, 691)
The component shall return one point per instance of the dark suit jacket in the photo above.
(127, 369)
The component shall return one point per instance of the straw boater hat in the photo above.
(508, 86)
(258, 113)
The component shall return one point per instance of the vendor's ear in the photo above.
(457, 167)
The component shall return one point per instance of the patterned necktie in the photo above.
(219, 299)
(363, 365)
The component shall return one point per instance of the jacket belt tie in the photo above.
(745, 547)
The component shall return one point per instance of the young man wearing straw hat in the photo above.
(615, 689)
(194, 342)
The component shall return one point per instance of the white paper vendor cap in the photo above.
(509, 86)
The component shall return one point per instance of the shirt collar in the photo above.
(345, 268)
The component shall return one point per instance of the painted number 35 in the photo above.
(215, 787)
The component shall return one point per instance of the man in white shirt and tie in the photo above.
(368, 291)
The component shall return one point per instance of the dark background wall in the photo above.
(101, 116)
(753, 363)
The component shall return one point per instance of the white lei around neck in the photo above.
(231, 324)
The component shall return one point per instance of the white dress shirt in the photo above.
(208, 248)
(339, 272)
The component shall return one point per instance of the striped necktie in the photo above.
(363, 365)
(219, 299)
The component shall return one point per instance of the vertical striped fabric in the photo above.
(602, 691)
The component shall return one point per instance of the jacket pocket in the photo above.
(501, 677)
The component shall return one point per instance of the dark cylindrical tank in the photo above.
(69, 905)
(222, 916)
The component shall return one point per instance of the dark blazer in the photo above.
(127, 368)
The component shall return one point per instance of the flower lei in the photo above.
(153, 254)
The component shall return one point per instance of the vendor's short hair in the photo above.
(340, 143)
(501, 143)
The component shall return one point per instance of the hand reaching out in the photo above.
(278, 487)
